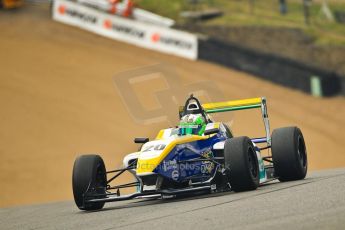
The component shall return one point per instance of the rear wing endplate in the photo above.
(251, 103)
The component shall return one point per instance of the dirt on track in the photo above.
(58, 100)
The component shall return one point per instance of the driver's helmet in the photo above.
(192, 124)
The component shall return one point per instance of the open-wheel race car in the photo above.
(198, 156)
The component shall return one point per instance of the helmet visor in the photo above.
(189, 129)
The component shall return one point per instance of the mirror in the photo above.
(141, 140)
(211, 131)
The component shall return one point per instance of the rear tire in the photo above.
(89, 174)
(289, 154)
(242, 163)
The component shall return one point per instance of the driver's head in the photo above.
(192, 124)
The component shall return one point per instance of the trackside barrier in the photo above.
(342, 79)
(276, 69)
(283, 71)
(149, 36)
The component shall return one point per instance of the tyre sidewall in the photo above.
(237, 162)
(286, 158)
(84, 179)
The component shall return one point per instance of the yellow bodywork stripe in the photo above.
(160, 134)
(145, 166)
(216, 125)
(229, 104)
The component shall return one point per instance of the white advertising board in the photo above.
(153, 37)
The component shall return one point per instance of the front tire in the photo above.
(89, 175)
(242, 163)
(289, 154)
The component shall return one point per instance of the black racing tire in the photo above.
(89, 174)
(242, 164)
(289, 154)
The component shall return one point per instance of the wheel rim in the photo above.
(302, 152)
(253, 164)
(101, 179)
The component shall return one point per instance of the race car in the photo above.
(197, 156)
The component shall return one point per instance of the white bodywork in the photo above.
(168, 136)
(129, 157)
(154, 148)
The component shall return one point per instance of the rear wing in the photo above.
(251, 103)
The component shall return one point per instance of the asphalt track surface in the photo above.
(318, 202)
